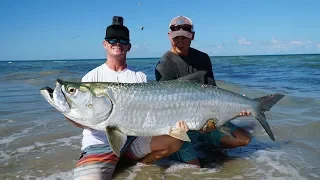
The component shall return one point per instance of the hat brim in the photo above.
(187, 34)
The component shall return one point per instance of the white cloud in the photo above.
(299, 43)
(243, 41)
(293, 43)
(219, 46)
(290, 46)
(211, 49)
(275, 41)
(135, 47)
(273, 45)
(277, 44)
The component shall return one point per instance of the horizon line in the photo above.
(160, 57)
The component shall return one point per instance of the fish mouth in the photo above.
(47, 93)
(49, 90)
(52, 96)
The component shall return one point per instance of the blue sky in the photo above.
(46, 29)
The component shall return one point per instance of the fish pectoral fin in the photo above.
(116, 139)
(225, 130)
(179, 133)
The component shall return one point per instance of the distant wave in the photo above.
(40, 77)
(59, 61)
(52, 72)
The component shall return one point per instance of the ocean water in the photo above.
(36, 142)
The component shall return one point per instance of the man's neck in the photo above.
(175, 52)
(116, 64)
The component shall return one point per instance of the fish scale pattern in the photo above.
(156, 107)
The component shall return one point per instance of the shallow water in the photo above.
(36, 142)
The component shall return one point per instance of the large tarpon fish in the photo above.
(153, 108)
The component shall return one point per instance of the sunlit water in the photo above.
(36, 142)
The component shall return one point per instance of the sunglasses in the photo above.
(185, 27)
(121, 41)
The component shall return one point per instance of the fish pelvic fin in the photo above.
(210, 124)
(179, 133)
(116, 139)
(268, 101)
(225, 130)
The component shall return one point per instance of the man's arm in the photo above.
(210, 76)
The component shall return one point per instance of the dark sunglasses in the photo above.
(121, 41)
(185, 27)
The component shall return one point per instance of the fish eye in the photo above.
(71, 90)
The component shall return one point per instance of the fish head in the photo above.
(84, 103)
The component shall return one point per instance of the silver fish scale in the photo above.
(157, 106)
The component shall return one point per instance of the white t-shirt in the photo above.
(104, 74)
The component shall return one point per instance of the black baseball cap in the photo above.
(117, 31)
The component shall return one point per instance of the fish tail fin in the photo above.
(262, 119)
(268, 101)
(266, 104)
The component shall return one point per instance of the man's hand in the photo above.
(182, 125)
(244, 113)
(209, 126)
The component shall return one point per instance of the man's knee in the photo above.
(176, 145)
(246, 140)
(173, 145)
(243, 140)
(166, 144)
(244, 137)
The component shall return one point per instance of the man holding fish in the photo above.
(124, 115)
(182, 60)
(97, 160)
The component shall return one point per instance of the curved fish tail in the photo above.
(266, 104)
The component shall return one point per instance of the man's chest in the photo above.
(186, 66)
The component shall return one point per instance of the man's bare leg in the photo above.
(164, 146)
(243, 139)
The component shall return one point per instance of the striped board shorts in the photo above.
(98, 162)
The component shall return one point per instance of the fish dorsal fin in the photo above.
(196, 77)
